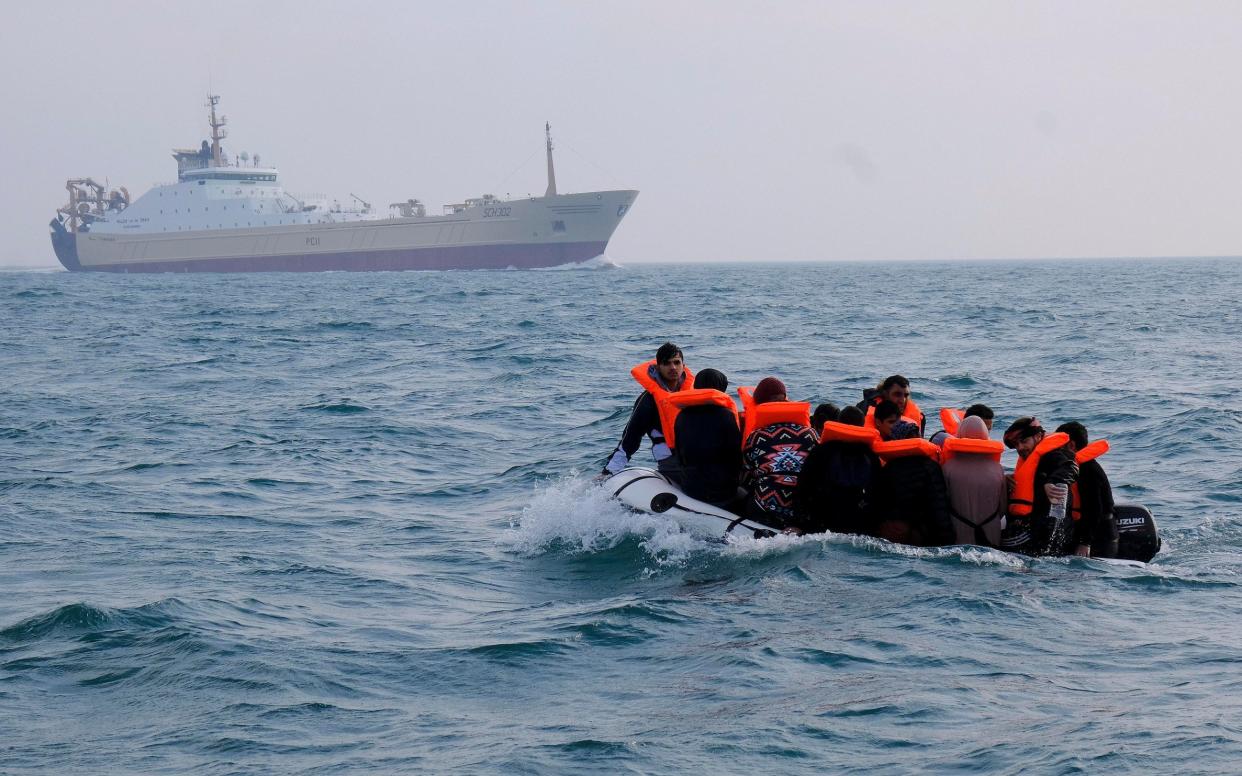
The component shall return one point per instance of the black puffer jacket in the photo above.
(834, 487)
(709, 449)
(1097, 525)
(910, 503)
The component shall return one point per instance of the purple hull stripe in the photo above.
(456, 257)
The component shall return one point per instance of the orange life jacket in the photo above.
(957, 446)
(690, 397)
(1089, 453)
(911, 414)
(1022, 500)
(641, 374)
(843, 432)
(761, 415)
(900, 448)
(950, 419)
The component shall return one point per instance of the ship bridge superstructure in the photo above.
(210, 193)
(223, 198)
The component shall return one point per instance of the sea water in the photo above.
(341, 523)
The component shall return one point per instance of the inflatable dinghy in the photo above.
(647, 490)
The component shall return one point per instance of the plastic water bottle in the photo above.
(1056, 506)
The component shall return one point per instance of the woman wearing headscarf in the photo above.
(976, 486)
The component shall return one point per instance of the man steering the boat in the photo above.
(664, 374)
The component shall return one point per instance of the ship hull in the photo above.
(522, 234)
(526, 256)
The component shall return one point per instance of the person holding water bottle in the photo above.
(1039, 491)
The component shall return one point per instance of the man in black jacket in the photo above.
(1037, 533)
(669, 371)
(1095, 531)
(709, 446)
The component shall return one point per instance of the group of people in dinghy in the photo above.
(867, 469)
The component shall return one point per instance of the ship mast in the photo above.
(218, 132)
(551, 172)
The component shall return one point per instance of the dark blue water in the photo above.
(344, 523)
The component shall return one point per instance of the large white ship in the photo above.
(236, 217)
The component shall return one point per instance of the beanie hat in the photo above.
(768, 389)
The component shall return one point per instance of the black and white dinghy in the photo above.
(647, 490)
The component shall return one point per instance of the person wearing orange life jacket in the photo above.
(837, 476)
(707, 441)
(1095, 524)
(667, 373)
(822, 414)
(883, 417)
(896, 389)
(777, 439)
(976, 484)
(909, 502)
(1045, 464)
(950, 419)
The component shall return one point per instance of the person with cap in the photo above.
(666, 373)
(909, 502)
(1095, 531)
(1034, 531)
(836, 479)
(977, 489)
(772, 458)
(709, 446)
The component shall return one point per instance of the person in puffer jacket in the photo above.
(709, 447)
(909, 503)
(836, 482)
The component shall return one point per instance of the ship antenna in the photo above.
(218, 132)
(551, 172)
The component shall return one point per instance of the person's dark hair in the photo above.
(667, 352)
(979, 411)
(886, 409)
(904, 429)
(1077, 433)
(824, 413)
(851, 416)
(892, 380)
(711, 378)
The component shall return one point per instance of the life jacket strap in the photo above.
(981, 538)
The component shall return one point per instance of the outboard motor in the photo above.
(1136, 532)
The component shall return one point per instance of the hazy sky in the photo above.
(808, 131)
